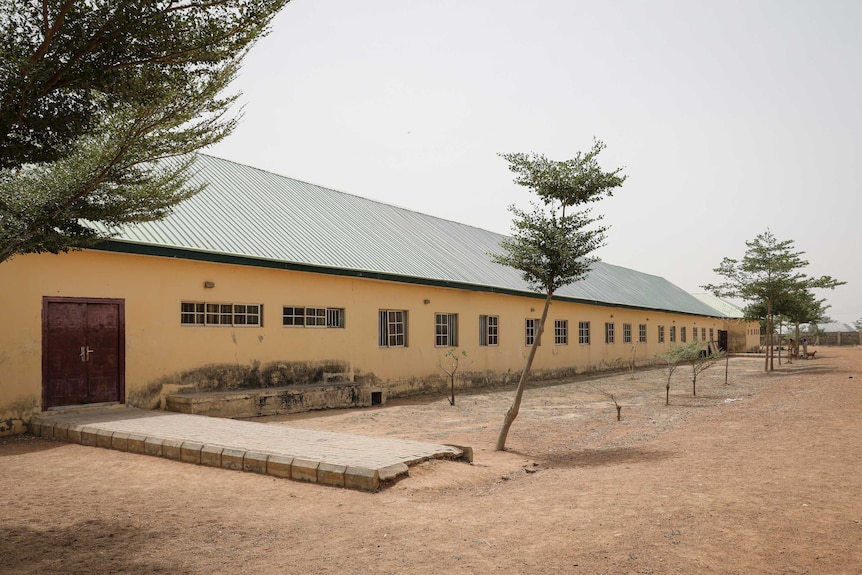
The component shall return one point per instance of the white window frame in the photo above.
(627, 333)
(561, 332)
(195, 313)
(489, 330)
(642, 333)
(313, 317)
(531, 328)
(584, 332)
(609, 332)
(446, 330)
(392, 328)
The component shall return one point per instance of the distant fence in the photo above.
(827, 338)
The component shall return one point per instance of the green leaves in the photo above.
(93, 94)
(571, 182)
(769, 271)
(549, 249)
(548, 245)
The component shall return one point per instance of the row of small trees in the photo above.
(698, 355)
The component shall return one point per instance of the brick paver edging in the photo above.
(337, 459)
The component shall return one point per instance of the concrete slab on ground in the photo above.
(330, 458)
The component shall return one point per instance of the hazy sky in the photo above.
(729, 116)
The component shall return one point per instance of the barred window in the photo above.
(711, 334)
(703, 333)
(392, 328)
(609, 333)
(693, 334)
(446, 329)
(561, 331)
(627, 333)
(531, 326)
(335, 317)
(673, 334)
(296, 316)
(227, 314)
(489, 329)
(642, 333)
(682, 334)
(661, 334)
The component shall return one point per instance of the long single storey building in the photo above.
(262, 280)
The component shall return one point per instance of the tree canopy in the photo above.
(769, 277)
(93, 93)
(551, 245)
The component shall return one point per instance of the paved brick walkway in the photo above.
(340, 459)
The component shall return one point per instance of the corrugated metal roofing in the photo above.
(252, 213)
(723, 306)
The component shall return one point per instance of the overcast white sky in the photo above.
(729, 116)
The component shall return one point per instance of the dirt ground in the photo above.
(759, 475)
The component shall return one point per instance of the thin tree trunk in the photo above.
(512, 413)
(766, 365)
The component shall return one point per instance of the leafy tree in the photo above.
(858, 324)
(769, 271)
(550, 246)
(93, 94)
(795, 307)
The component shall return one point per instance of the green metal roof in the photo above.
(723, 306)
(253, 217)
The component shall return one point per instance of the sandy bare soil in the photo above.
(759, 475)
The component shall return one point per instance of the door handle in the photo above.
(85, 352)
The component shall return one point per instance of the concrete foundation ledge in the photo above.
(361, 478)
(279, 466)
(157, 434)
(304, 470)
(331, 474)
(393, 472)
(254, 462)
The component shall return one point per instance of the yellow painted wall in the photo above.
(157, 345)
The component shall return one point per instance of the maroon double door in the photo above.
(83, 351)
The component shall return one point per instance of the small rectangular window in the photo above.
(703, 333)
(642, 333)
(446, 329)
(694, 334)
(246, 314)
(227, 314)
(192, 313)
(531, 326)
(335, 317)
(584, 332)
(293, 316)
(392, 328)
(561, 332)
(661, 334)
(682, 334)
(711, 334)
(489, 329)
(673, 334)
(627, 333)
(315, 317)
(609, 333)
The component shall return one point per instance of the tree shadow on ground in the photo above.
(88, 547)
(603, 456)
(22, 444)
